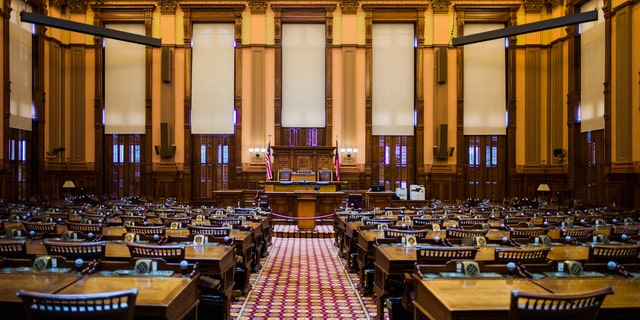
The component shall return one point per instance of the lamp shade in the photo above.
(544, 188)
(68, 184)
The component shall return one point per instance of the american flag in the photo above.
(267, 162)
(336, 162)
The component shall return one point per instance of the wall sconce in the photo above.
(348, 152)
(257, 152)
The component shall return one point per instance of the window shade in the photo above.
(20, 71)
(213, 78)
(303, 75)
(124, 82)
(393, 79)
(484, 83)
(592, 70)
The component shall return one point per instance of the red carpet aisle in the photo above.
(303, 278)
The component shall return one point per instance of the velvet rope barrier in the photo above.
(302, 218)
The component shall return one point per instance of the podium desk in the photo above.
(306, 209)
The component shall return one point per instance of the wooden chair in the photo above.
(526, 233)
(95, 228)
(583, 305)
(395, 233)
(219, 222)
(617, 232)
(13, 248)
(40, 227)
(147, 230)
(521, 255)
(603, 253)
(173, 253)
(107, 305)
(72, 250)
(470, 223)
(582, 234)
(209, 231)
(442, 255)
(515, 220)
(428, 222)
(454, 233)
(284, 175)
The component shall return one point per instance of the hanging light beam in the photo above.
(89, 29)
(527, 28)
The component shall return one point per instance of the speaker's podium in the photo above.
(306, 209)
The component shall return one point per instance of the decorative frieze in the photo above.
(77, 6)
(534, 6)
(258, 7)
(349, 6)
(167, 6)
(441, 6)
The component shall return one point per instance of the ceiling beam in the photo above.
(527, 28)
(89, 29)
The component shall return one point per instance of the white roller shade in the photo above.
(124, 82)
(393, 79)
(592, 48)
(303, 75)
(20, 71)
(213, 78)
(485, 92)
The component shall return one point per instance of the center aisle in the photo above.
(302, 278)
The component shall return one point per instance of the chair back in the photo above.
(442, 255)
(526, 233)
(422, 221)
(13, 248)
(514, 220)
(394, 233)
(469, 223)
(521, 255)
(172, 253)
(617, 231)
(147, 230)
(95, 228)
(584, 305)
(580, 233)
(454, 233)
(603, 253)
(219, 222)
(209, 231)
(97, 306)
(72, 250)
(40, 227)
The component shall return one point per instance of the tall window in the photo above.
(124, 82)
(394, 164)
(211, 165)
(19, 166)
(393, 71)
(213, 78)
(123, 167)
(485, 92)
(303, 75)
(484, 167)
(592, 77)
(20, 72)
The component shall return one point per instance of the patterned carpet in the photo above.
(303, 278)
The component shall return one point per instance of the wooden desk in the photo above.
(490, 298)
(11, 283)
(452, 299)
(158, 298)
(391, 263)
(624, 304)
